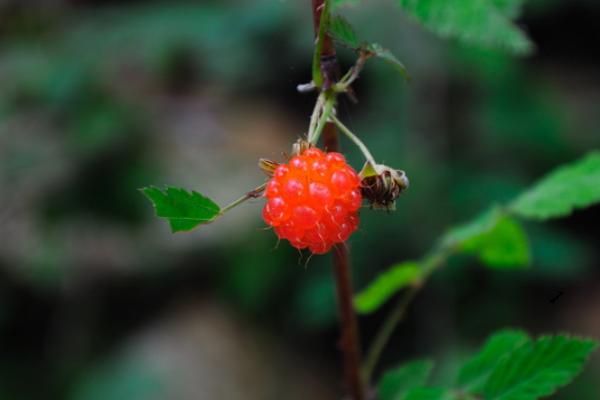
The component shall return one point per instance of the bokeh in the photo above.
(98, 300)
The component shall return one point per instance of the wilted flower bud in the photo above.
(382, 185)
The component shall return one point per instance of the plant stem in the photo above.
(349, 341)
(250, 195)
(323, 120)
(354, 139)
(314, 118)
(386, 330)
(429, 266)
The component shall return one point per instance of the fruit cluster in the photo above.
(313, 200)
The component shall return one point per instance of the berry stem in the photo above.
(250, 195)
(314, 118)
(324, 119)
(359, 143)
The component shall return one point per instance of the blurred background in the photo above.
(98, 300)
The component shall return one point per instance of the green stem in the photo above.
(363, 148)
(429, 265)
(250, 195)
(386, 330)
(325, 115)
(314, 118)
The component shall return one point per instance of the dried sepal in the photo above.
(267, 166)
(300, 147)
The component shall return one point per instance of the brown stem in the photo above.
(349, 341)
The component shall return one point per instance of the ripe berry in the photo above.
(313, 200)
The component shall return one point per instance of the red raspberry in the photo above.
(313, 200)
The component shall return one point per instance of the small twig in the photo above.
(254, 193)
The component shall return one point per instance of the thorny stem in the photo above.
(254, 193)
(349, 340)
(354, 139)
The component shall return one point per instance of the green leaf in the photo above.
(341, 30)
(183, 209)
(576, 185)
(388, 57)
(509, 8)
(429, 393)
(504, 246)
(340, 3)
(484, 223)
(396, 382)
(386, 284)
(480, 22)
(474, 373)
(538, 369)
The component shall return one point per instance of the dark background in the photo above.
(98, 300)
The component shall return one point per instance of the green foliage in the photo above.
(389, 58)
(429, 393)
(341, 30)
(394, 279)
(538, 369)
(480, 22)
(183, 209)
(510, 366)
(397, 382)
(475, 372)
(573, 186)
(504, 246)
(496, 238)
(481, 225)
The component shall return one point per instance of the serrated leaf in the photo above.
(576, 185)
(479, 22)
(504, 246)
(429, 393)
(474, 372)
(538, 369)
(386, 284)
(388, 57)
(184, 210)
(341, 30)
(396, 382)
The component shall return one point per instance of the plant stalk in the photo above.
(349, 341)
(254, 193)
